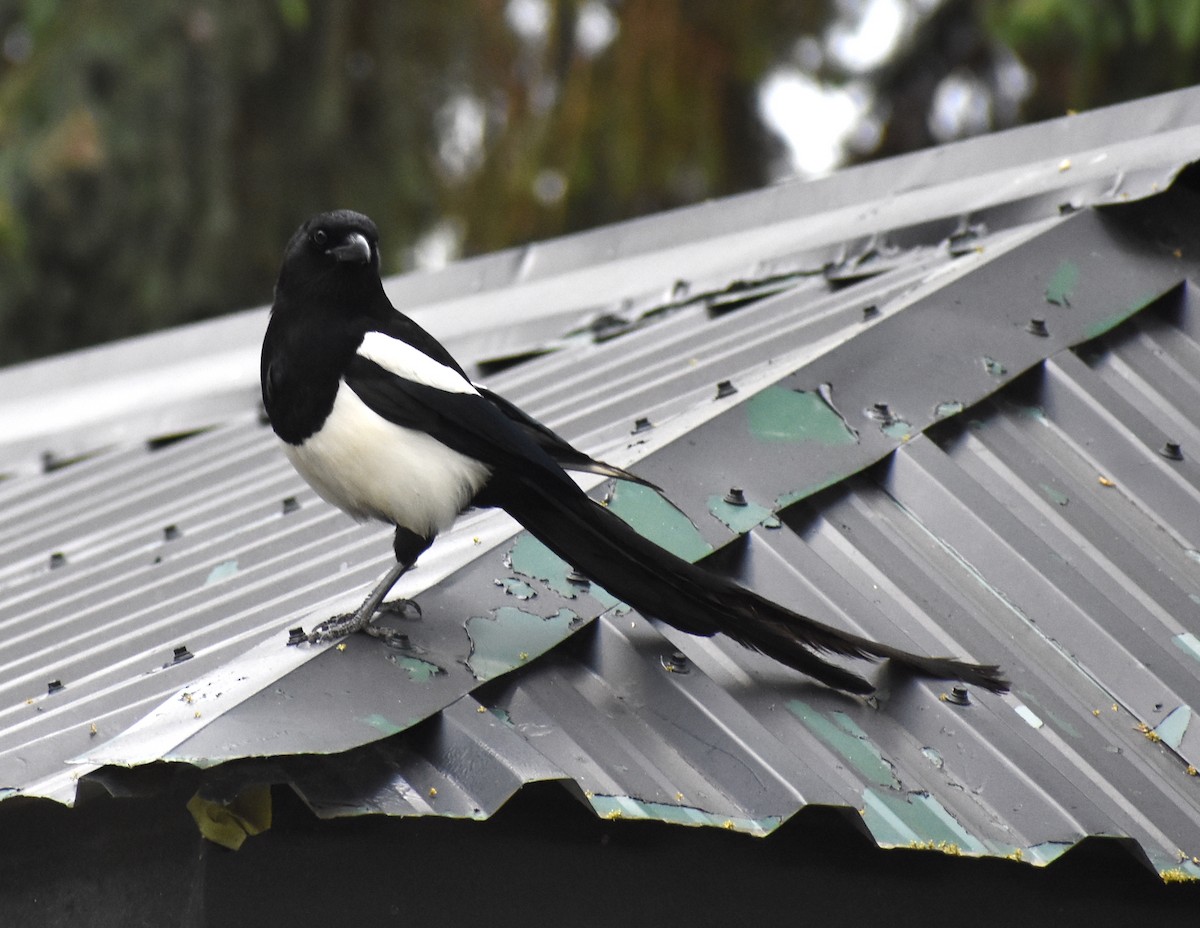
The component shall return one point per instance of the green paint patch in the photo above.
(739, 519)
(994, 367)
(1062, 284)
(221, 572)
(1060, 723)
(1045, 853)
(898, 429)
(530, 558)
(419, 671)
(1054, 495)
(916, 820)
(778, 414)
(1186, 872)
(1172, 728)
(844, 735)
(511, 637)
(658, 520)
(518, 588)
(385, 725)
(1110, 322)
(1189, 644)
(952, 408)
(794, 496)
(626, 807)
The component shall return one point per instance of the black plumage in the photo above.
(384, 423)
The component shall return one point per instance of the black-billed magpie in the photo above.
(378, 417)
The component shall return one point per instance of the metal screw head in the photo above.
(54, 686)
(57, 560)
(1037, 327)
(675, 662)
(575, 578)
(959, 696)
(1171, 451)
(642, 424)
(170, 533)
(181, 654)
(725, 388)
(296, 635)
(881, 412)
(290, 504)
(736, 496)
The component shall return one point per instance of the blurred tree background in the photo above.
(155, 155)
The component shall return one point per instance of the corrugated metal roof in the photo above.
(923, 462)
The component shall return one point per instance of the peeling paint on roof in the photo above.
(916, 400)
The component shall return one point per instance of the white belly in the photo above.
(373, 469)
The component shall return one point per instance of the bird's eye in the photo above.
(320, 237)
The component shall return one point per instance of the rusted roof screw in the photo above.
(1171, 451)
(296, 636)
(677, 662)
(1037, 327)
(736, 496)
(290, 504)
(725, 388)
(53, 687)
(642, 425)
(959, 696)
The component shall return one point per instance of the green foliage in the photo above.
(156, 155)
(1087, 54)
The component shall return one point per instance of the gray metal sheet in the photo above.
(987, 533)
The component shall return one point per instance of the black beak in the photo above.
(355, 249)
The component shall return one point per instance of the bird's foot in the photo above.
(404, 608)
(339, 626)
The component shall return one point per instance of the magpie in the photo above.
(384, 424)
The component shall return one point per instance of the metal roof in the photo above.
(960, 404)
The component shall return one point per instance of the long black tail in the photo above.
(654, 581)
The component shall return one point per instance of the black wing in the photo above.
(566, 454)
(466, 422)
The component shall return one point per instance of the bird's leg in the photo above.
(360, 619)
(408, 547)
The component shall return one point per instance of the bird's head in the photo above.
(332, 255)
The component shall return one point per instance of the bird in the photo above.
(379, 418)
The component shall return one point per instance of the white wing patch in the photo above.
(403, 360)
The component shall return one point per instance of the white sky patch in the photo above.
(438, 246)
(962, 106)
(867, 33)
(460, 123)
(813, 119)
(549, 186)
(595, 28)
(528, 19)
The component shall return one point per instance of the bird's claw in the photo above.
(405, 608)
(339, 626)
